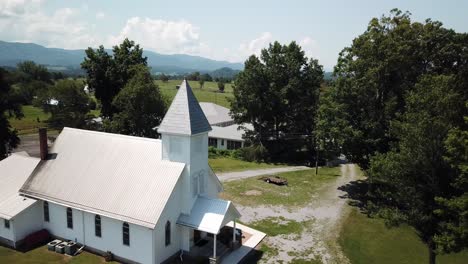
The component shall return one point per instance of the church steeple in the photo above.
(185, 116)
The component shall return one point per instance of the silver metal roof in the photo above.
(209, 215)
(117, 176)
(185, 116)
(232, 132)
(14, 171)
(216, 114)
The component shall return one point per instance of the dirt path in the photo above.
(324, 216)
(230, 176)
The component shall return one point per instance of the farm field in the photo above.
(34, 117)
(209, 93)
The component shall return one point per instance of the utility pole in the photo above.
(316, 157)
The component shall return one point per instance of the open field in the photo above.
(367, 240)
(42, 256)
(302, 187)
(33, 119)
(209, 93)
(230, 164)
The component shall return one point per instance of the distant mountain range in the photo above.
(62, 59)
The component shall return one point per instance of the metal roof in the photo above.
(14, 171)
(209, 215)
(185, 115)
(117, 176)
(216, 114)
(232, 132)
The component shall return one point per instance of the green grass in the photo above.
(33, 119)
(302, 186)
(42, 255)
(274, 226)
(207, 94)
(367, 240)
(231, 164)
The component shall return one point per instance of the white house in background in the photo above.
(225, 134)
(145, 200)
(217, 115)
(228, 137)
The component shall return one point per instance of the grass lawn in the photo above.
(207, 94)
(302, 185)
(42, 255)
(33, 119)
(273, 226)
(366, 240)
(230, 164)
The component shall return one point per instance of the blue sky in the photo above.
(223, 30)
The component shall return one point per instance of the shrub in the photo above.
(256, 153)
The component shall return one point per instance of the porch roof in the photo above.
(209, 215)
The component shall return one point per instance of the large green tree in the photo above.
(278, 94)
(140, 106)
(9, 107)
(411, 182)
(381, 66)
(68, 104)
(108, 74)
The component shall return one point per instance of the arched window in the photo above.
(97, 226)
(168, 233)
(126, 234)
(46, 211)
(69, 218)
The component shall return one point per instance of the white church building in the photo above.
(145, 200)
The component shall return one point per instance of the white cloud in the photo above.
(163, 36)
(15, 8)
(26, 22)
(310, 47)
(255, 46)
(100, 15)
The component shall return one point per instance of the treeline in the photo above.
(398, 107)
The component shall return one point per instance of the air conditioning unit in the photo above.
(51, 245)
(70, 248)
(60, 248)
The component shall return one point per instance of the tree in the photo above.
(194, 76)
(206, 77)
(414, 177)
(331, 126)
(221, 86)
(9, 107)
(278, 94)
(72, 105)
(164, 78)
(140, 105)
(107, 74)
(381, 66)
(29, 70)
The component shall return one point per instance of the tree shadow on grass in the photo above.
(357, 194)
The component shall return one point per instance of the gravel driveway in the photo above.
(230, 176)
(319, 240)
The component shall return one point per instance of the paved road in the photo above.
(231, 176)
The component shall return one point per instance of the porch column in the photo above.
(214, 247)
(234, 232)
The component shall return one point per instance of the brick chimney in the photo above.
(43, 143)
